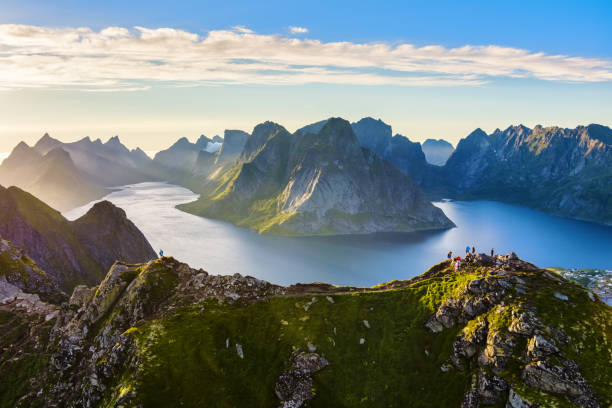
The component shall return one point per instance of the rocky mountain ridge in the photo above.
(498, 332)
(563, 171)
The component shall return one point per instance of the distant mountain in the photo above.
(323, 183)
(67, 175)
(407, 156)
(185, 162)
(233, 143)
(52, 176)
(562, 171)
(437, 151)
(71, 252)
(182, 155)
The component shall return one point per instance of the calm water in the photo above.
(222, 248)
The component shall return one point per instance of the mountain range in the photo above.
(560, 171)
(67, 175)
(315, 183)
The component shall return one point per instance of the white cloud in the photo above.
(297, 30)
(117, 58)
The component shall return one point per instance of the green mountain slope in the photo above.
(500, 331)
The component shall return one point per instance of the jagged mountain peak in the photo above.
(46, 143)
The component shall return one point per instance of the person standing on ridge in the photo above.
(161, 253)
(449, 255)
(492, 252)
(473, 251)
(467, 250)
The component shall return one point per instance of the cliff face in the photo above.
(323, 183)
(498, 332)
(71, 252)
(563, 171)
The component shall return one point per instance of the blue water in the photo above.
(222, 248)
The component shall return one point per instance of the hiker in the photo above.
(467, 250)
(161, 253)
(492, 252)
(473, 251)
(457, 263)
(450, 255)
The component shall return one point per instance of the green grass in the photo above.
(185, 360)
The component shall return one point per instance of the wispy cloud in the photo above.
(297, 30)
(117, 58)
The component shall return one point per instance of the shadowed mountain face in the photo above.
(398, 150)
(323, 183)
(437, 151)
(563, 171)
(71, 252)
(67, 175)
(185, 156)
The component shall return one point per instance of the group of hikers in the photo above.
(469, 255)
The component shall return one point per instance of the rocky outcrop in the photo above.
(494, 330)
(294, 387)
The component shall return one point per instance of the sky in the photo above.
(154, 71)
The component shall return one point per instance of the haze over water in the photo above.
(221, 248)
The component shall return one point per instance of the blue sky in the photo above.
(150, 108)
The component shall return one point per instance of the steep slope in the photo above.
(437, 151)
(499, 332)
(563, 171)
(71, 252)
(323, 183)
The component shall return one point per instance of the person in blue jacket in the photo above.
(161, 253)
(467, 250)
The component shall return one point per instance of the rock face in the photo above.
(241, 341)
(294, 387)
(563, 171)
(75, 252)
(233, 143)
(67, 175)
(323, 183)
(438, 151)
